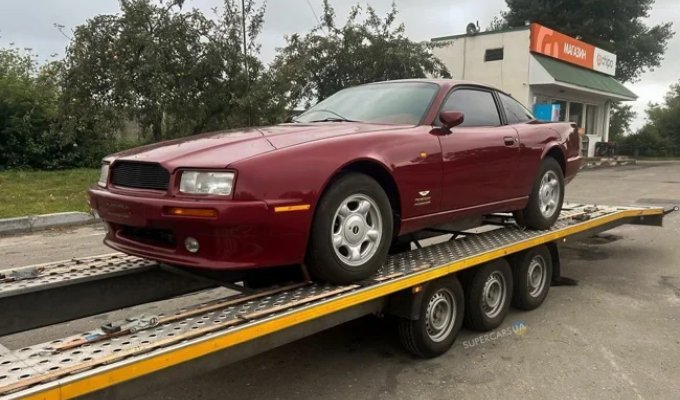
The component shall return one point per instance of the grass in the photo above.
(43, 192)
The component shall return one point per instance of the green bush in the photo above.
(36, 129)
(647, 142)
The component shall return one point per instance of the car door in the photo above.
(480, 155)
(531, 139)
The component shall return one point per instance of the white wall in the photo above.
(464, 57)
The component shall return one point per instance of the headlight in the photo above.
(104, 175)
(204, 182)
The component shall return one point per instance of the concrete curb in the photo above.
(34, 223)
(607, 162)
(658, 162)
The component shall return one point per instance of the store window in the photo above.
(576, 113)
(493, 54)
(591, 117)
(560, 106)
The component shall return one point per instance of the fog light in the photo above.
(191, 245)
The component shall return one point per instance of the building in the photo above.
(560, 78)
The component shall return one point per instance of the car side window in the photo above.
(515, 112)
(478, 106)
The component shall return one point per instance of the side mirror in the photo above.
(451, 119)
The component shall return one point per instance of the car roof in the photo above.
(444, 82)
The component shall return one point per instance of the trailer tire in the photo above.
(488, 295)
(439, 320)
(532, 274)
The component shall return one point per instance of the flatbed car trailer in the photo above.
(420, 287)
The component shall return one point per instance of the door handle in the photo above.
(510, 141)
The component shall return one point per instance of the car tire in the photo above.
(351, 231)
(546, 198)
(488, 295)
(440, 319)
(532, 274)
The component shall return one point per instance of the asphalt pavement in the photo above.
(615, 335)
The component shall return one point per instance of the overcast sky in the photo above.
(30, 23)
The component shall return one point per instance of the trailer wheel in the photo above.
(532, 273)
(488, 295)
(439, 320)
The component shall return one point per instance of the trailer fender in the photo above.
(555, 255)
(557, 278)
(406, 303)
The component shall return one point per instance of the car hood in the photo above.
(285, 135)
(219, 149)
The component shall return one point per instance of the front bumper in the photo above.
(243, 235)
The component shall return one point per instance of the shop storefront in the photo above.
(559, 77)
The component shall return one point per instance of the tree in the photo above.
(622, 116)
(660, 136)
(498, 23)
(647, 142)
(665, 117)
(28, 113)
(367, 48)
(615, 25)
(172, 71)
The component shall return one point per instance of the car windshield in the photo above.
(383, 103)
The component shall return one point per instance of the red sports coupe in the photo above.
(334, 188)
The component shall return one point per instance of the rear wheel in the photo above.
(532, 274)
(439, 320)
(351, 231)
(545, 200)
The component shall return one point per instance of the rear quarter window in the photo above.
(515, 112)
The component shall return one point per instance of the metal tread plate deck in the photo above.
(72, 271)
(33, 371)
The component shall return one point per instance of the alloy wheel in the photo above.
(357, 229)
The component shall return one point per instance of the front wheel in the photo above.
(545, 200)
(351, 232)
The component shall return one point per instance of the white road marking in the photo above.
(620, 372)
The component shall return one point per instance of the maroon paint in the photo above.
(467, 171)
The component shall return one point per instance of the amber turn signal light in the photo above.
(191, 212)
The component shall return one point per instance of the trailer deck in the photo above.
(129, 356)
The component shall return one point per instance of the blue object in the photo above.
(543, 111)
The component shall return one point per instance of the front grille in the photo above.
(140, 175)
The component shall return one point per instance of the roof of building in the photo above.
(574, 75)
(451, 37)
